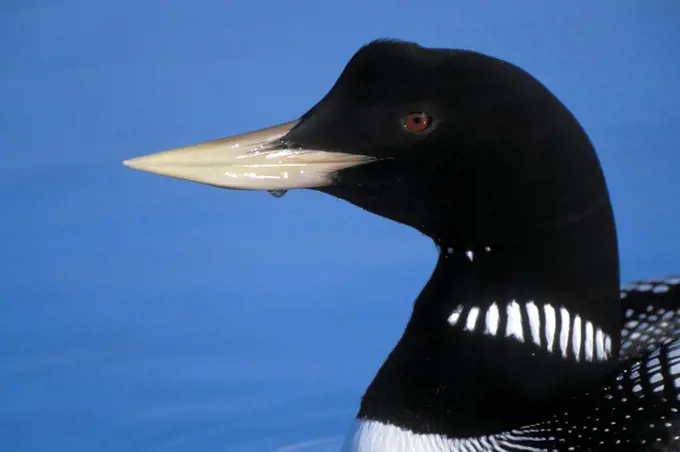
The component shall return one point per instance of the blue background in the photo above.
(141, 313)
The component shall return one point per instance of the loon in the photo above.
(523, 338)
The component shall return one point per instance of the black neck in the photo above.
(444, 379)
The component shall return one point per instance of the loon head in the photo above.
(479, 155)
(456, 144)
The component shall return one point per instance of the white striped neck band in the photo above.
(552, 328)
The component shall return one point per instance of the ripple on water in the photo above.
(200, 428)
(327, 444)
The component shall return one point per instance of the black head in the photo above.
(468, 147)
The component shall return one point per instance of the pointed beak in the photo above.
(257, 160)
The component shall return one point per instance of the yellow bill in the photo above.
(257, 160)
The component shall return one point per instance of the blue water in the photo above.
(101, 352)
(139, 313)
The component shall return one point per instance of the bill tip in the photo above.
(131, 163)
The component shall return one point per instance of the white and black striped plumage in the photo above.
(651, 312)
(637, 409)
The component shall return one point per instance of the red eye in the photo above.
(417, 122)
